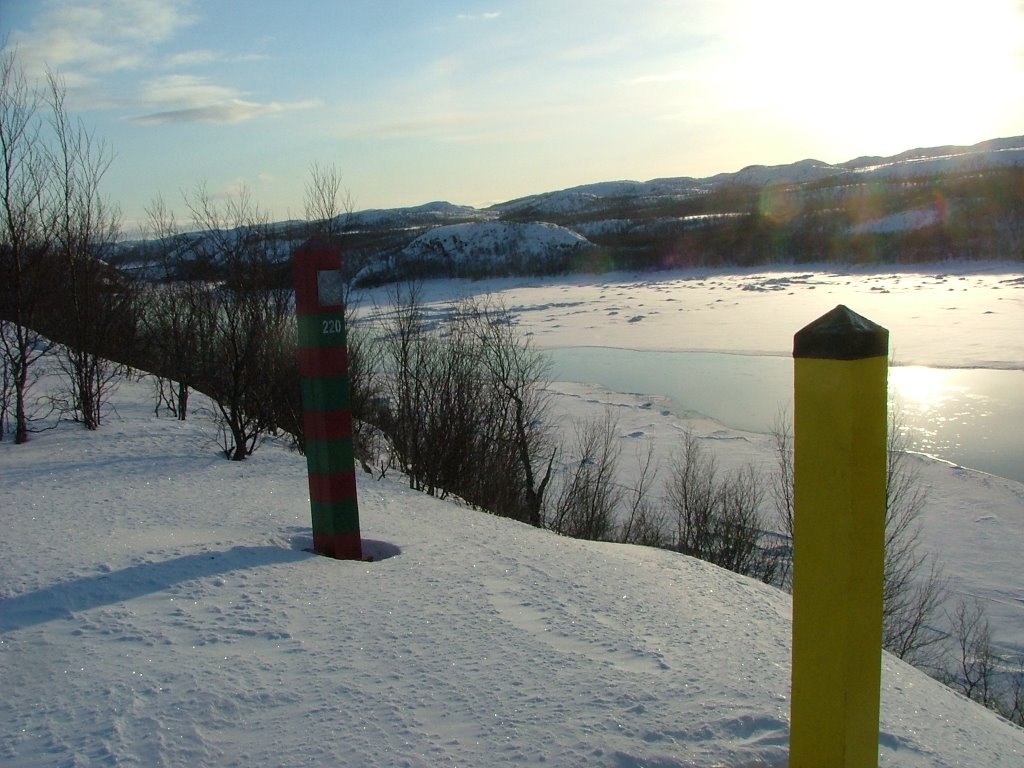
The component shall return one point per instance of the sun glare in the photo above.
(921, 389)
(879, 70)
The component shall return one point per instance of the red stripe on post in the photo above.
(327, 425)
(327, 417)
(345, 546)
(310, 258)
(323, 361)
(337, 486)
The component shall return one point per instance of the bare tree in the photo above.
(179, 323)
(402, 344)
(692, 495)
(1012, 707)
(249, 314)
(739, 525)
(365, 361)
(718, 518)
(98, 315)
(914, 587)
(452, 406)
(974, 674)
(327, 203)
(175, 315)
(26, 255)
(592, 503)
(646, 522)
(586, 504)
(467, 406)
(519, 375)
(974, 667)
(782, 490)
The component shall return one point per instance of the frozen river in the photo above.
(718, 342)
(969, 416)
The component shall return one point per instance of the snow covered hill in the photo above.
(478, 249)
(866, 209)
(158, 607)
(428, 214)
(910, 164)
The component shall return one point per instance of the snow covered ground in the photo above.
(955, 314)
(158, 605)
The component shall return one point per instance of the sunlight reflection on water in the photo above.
(968, 416)
(923, 389)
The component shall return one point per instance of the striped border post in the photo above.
(840, 451)
(327, 413)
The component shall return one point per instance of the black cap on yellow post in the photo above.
(841, 334)
(840, 422)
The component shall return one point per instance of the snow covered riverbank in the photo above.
(953, 314)
(158, 608)
(158, 605)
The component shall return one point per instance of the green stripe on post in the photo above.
(326, 398)
(323, 329)
(326, 393)
(335, 516)
(326, 457)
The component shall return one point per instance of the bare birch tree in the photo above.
(327, 202)
(586, 504)
(26, 253)
(96, 321)
(247, 316)
(914, 587)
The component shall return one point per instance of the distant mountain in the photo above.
(995, 153)
(923, 204)
(436, 213)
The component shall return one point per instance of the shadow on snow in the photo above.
(82, 594)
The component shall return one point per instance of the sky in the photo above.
(478, 103)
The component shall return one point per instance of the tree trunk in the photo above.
(182, 400)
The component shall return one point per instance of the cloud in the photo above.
(189, 98)
(202, 57)
(232, 111)
(487, 16)
(90, 41)
(191, 59)
(424, 127)
(83, 38)
(185, 90)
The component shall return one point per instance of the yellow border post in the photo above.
(840, 369)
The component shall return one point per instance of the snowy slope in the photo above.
(899, 222)
(486, 247)
(158, 607)
(428, 214)
(641, 215)
(954, 162)
(479, 241)
(906, 165)
(590, 197)
(790, 173)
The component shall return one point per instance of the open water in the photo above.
(973, 417)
